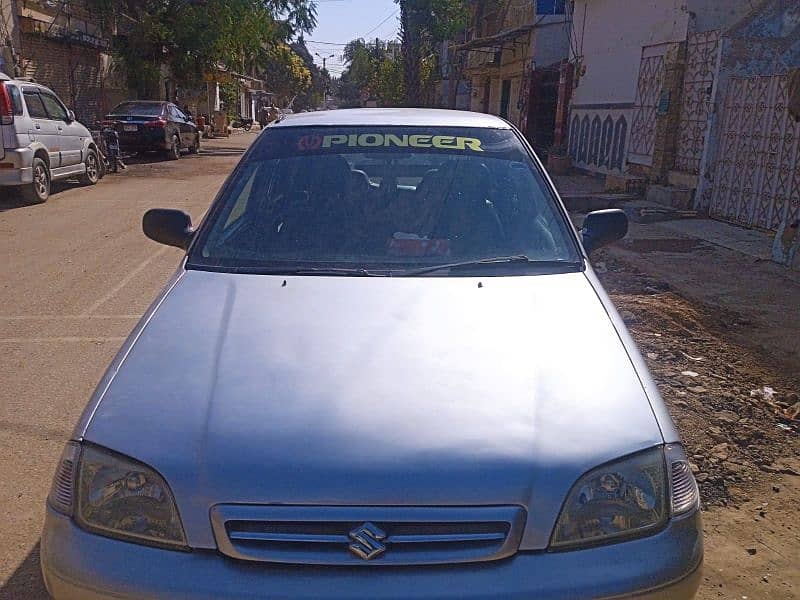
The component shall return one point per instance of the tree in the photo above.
(423, 25)
(286, 73)
(388, 85)
(313, 96)
(192, 37)
(373, 70)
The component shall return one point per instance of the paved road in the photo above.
(76, 274)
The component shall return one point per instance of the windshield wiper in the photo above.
(497, 260)
(321, 271)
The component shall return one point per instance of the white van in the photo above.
(41, 141)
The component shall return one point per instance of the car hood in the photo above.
(375, 391)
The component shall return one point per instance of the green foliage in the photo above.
(229, 95)
(312, 97)
(437, 20)
(424, 24)
(388, 82)
(285, 72)
(373, 71)
(193, 37)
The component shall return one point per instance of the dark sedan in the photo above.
(145, 126)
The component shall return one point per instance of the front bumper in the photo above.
(81, 566)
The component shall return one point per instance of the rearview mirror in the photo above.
(168, 226)
(602, 227)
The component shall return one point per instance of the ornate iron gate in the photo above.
(757, 174)
(702, 63)
(648, 90)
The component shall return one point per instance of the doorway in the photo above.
(487, 94)
(505, 98)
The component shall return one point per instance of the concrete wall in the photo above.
(608, 39)
(612, 41)
(718, 14)
(550, 42)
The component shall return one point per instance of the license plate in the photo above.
(130, 128)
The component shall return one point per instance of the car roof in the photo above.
(4, 77)
(409, 117)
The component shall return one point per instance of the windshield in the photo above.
(386, 199)
(145, 109)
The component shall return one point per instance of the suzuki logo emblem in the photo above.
(367, 541)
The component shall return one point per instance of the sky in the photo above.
(340, 21)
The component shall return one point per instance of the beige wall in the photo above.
(616, 30)
(612, 41)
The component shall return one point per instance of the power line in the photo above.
(325, 43)
(381, 23)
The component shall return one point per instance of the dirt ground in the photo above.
(738, 414)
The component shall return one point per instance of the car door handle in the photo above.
(61, 129)
(37, 126)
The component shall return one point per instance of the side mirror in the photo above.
(602, 227)
(168, 226)
(70, 116)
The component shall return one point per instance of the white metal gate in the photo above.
(648, 90)
(757, 171)
(702, 63)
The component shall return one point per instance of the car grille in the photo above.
(367, 536)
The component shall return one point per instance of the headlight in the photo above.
(118, 497)
(622, 499)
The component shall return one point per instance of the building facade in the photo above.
(59, 44)
(514, 51)
(453, 87)
(691, 96)
(629, 59)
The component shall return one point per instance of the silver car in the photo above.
(40, 141)
(385, 369)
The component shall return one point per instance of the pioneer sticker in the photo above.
(389, 140)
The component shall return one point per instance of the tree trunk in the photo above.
(409, 25)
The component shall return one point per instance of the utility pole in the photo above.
(325, 91)
(325, 59)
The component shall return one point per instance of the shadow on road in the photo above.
(11, 199)
(26, 582)
(205, 152)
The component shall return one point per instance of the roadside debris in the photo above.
(738, 415)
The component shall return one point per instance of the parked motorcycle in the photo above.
(114, 155)
(106, 139)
